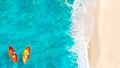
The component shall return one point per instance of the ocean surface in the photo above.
(45, 25)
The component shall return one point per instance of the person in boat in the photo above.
(14, 55)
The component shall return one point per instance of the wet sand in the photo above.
(105, 43)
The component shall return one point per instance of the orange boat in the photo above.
(12, 54)
(26, 54)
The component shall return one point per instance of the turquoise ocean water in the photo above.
(42, 24)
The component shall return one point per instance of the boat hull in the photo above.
(26, 54)
(12, 54)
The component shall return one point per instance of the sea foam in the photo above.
(82, 21)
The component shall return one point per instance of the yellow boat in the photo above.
(26, 54)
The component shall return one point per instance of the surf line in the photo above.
(77, 18)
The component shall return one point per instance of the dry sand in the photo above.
(104, 50)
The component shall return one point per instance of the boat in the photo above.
(26, 54)
(12, 54)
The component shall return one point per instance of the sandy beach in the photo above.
(104, 46)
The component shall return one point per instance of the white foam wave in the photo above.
(81, 30)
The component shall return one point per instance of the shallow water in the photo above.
(42, 24)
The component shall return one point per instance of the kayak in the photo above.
(26, 54)
(12, 54)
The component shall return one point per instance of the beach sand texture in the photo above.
(104, 46)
